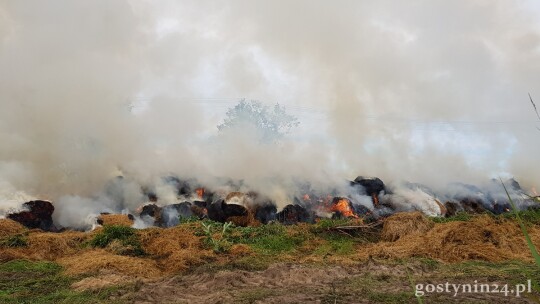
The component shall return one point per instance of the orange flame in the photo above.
(375, 199)
(200, 192)
(344, 208)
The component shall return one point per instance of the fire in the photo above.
(200, 192)
(344, 207)
(375, 199)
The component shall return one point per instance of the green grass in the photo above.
(460, 216)
(529, 217)
(126, 236)
(336, 244)
(267, 239)
(42, 282)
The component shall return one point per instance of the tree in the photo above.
(271, 122)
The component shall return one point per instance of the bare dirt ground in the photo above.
(372, 282)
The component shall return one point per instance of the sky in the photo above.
(428, 91)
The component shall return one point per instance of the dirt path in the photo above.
(289, 283)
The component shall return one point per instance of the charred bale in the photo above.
(234, 210)
(201, 204)
(472, 205)
(39, 215)
(151, 211)
(293, 214)
(372, 185)
(220, 211)
(199, 209)
(266, 213)
(500, 208)
(215, 211)
(171, 214)
(452, 208)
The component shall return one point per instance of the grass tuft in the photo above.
(42, 282)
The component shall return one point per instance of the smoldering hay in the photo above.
(429, 91)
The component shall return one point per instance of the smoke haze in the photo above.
(428, 91)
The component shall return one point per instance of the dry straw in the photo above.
(482, 238)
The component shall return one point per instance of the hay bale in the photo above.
(405, 223)
(99, 259)
(10, 227)
(115, 219)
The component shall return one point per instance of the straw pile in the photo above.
(406, 223)
(173, 249)
(46, 246)
(98, 259)
(483, 238)
(115, 219)
(9, 227)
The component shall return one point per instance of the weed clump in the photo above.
(120, 239)
(16, 240)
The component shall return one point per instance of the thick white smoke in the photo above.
(428, 91)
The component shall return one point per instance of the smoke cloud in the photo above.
(428, 91)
